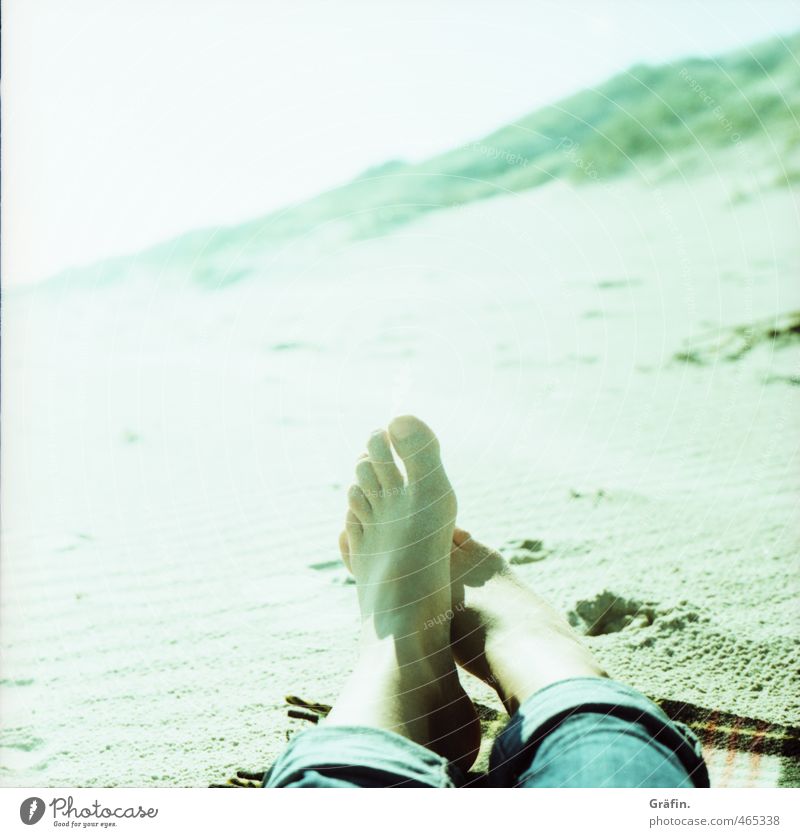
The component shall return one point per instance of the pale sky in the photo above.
(126, 122)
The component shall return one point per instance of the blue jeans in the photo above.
(586, 732)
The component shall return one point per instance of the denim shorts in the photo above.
(585, 732)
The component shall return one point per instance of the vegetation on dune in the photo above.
(680, 114)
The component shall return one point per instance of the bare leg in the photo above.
(505, 634)
(397, 543)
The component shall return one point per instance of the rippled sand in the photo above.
(175, 459)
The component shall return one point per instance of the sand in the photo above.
(175, 461)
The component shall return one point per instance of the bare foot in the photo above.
(505, 634)
(397, 542)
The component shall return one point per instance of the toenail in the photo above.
(401, 429)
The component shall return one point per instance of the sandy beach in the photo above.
(179, 457)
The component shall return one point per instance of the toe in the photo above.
(359, 504)
(382, 458)
(368, 479)
(417, 446)
(460, 537)
(353, 528)
(344, 548)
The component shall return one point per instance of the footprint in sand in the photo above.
(338, 575)
(524, 551)
(614, 284)
(608, 613)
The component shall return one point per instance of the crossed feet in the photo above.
(430, 597)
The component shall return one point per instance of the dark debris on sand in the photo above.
(492, 721)
(732, 344)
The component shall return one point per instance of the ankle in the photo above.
(521, 666)
(416, 655)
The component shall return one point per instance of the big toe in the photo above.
(417, 446)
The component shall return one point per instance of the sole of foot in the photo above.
(397, 542)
